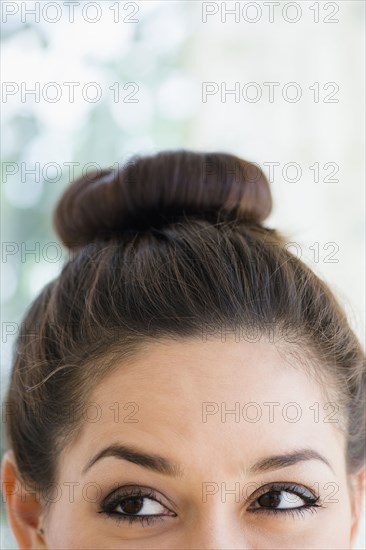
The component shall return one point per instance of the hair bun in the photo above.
(150, 191)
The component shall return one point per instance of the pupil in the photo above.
(270, 500)
(132, 505)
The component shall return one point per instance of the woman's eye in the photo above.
(140, 506)
(135, 505)
(279, 500)
(285, 499)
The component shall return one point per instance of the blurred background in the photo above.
(87, 84)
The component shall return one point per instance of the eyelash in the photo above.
(311, 503)
(108, 506)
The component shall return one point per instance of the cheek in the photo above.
(69, 527)
(327, 532)
(332, 536)
(333, 527)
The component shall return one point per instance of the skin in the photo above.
(222, 466)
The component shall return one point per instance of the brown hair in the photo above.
(161, 247)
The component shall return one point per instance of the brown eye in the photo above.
(132, 505)
(270, 500)
(140, 505)
(284, 498)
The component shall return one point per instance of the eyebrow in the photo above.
(285, 460)
(164, 466)
(150, 461)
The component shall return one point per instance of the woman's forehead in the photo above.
(244, 397)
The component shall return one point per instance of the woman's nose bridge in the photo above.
(216, 539)
(218, 526)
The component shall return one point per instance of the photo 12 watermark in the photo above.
(71, 92)
(270, 412)
(270, 12)
(28, 12)
(270, 92)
